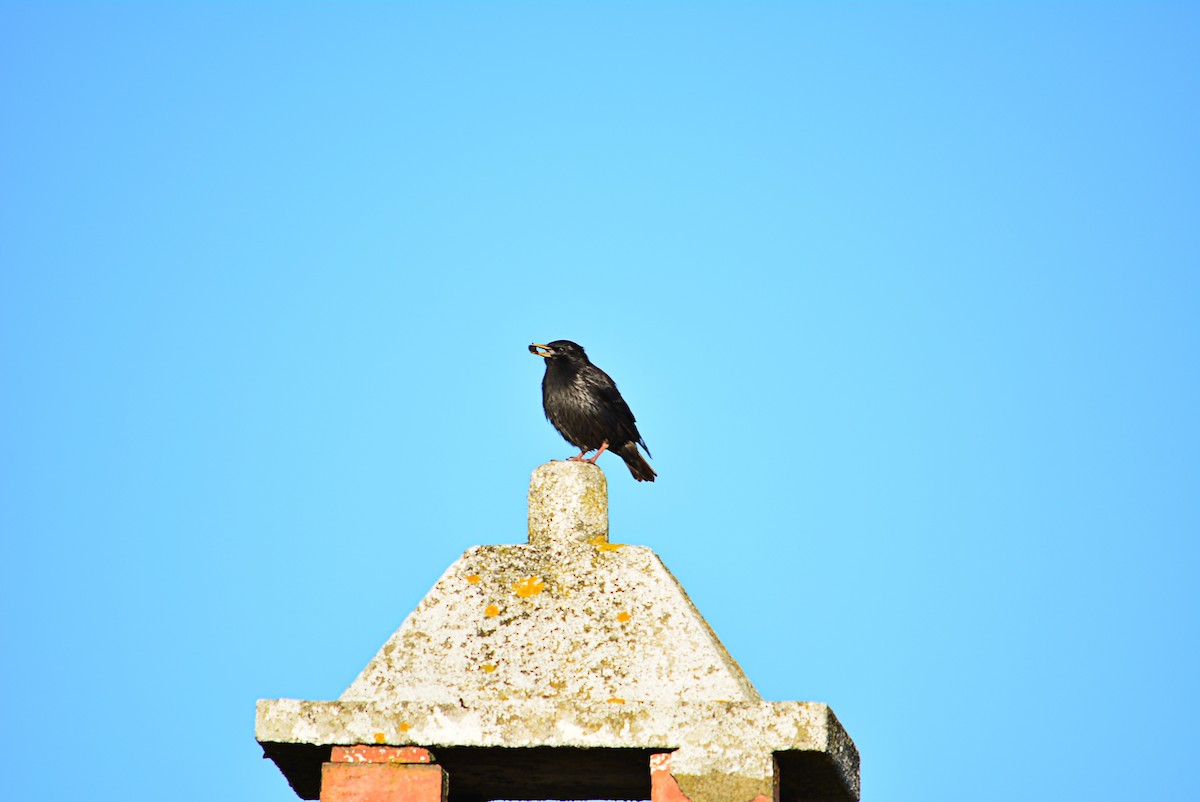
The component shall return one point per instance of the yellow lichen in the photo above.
(380, 738)
(531, 586)
(488, 668)
(491, 611)
(623, 616)
(601, 543)
(404, 726)
(615, 700)
(473, 579)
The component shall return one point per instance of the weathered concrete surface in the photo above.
(568, 641)
(715, 743)
(568, 503)
(602, 623)
(716, 728)
(584, 621)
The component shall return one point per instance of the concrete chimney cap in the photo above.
(567, 641)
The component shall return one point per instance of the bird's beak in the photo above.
(538, 349)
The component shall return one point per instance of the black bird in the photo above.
(585, 406)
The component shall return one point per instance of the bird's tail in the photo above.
(638, 466)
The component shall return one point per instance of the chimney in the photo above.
(567, 667)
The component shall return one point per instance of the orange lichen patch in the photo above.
(623, 616)
(473, 579)
(529, 587)
(491, 611)
(488, 668)
(601, 543)
(615, 700)
(404, 726)
(380, 738)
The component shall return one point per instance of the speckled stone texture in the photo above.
(569, 641)
(568, 503)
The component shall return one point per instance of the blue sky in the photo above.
(904, 297)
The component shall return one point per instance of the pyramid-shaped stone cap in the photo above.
(567, 616)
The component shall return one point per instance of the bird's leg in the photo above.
(579, 457)
(603, 446)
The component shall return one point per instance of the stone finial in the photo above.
(568, 503)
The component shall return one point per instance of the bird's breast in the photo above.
(575, 412)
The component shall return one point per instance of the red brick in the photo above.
(663, 787)
(383, 782)
(364, 753)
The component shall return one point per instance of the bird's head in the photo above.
(559, 349)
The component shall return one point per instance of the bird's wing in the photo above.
(621, 416)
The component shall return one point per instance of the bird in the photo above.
(583, 403)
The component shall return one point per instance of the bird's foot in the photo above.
(596, 456)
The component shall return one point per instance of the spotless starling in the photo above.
(585, 406)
